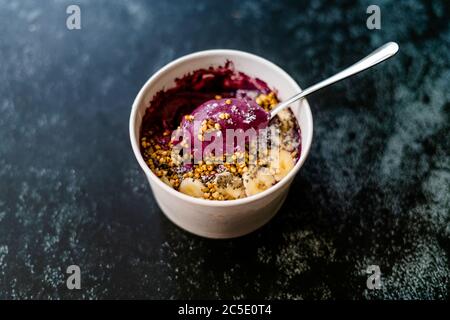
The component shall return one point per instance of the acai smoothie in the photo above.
(211, 136)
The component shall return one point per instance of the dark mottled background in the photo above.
(374, 190)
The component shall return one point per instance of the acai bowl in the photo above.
(190, 196)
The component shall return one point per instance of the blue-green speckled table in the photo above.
(374, 190)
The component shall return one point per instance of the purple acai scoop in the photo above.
(217, 119)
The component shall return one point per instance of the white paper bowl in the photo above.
(232, 218)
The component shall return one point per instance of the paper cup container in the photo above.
(231, 218)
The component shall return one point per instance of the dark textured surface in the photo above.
(374, 190)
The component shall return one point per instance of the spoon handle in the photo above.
(379, 55)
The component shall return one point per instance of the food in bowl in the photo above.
(185, 140)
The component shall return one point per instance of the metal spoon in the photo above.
(379, 55)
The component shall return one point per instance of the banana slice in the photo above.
(229, 185)
(192, 187)
(257, 180)
(286, 118)
(282, 164)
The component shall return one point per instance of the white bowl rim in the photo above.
(306, 145)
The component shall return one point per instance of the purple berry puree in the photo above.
(226, 114)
